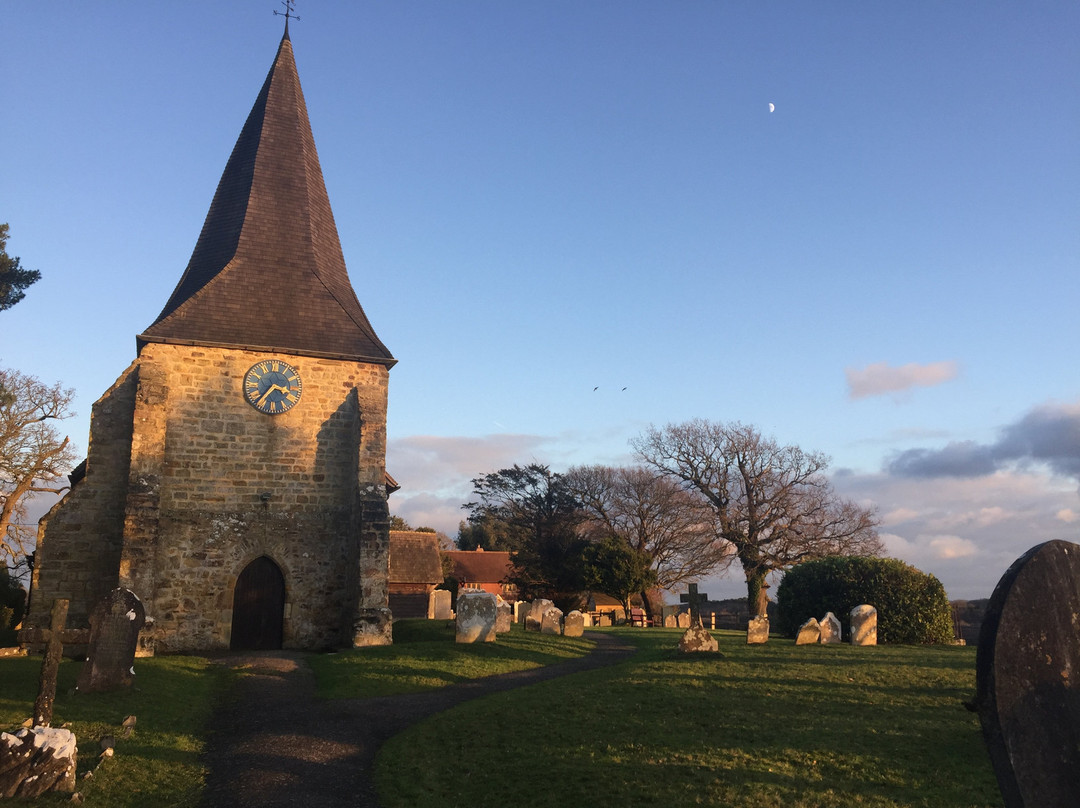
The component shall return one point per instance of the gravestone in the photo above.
(671, 620)
(114, 635)
(503, 617)
(475, 617)
(439, 605)
(34, 761)
(697, 639)
(551, 621)
(693, 599)
(864, 625)
(830, 629)
(534, 618)
(574, 624)
(1027, 671)
(757, 630)
(809, 633)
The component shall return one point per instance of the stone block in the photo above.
(476, 614)
(372, 627)
(864, 625)
(35, 761)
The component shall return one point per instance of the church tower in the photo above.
(236, 479)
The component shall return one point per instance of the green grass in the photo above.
(424, 656)
(761, 726)
(159, 765)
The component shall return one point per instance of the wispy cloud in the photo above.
(1048, 435)
(881, 378)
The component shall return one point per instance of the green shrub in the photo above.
(912, 606)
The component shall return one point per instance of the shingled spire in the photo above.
(267, 272)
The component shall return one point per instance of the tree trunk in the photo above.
(757, 599)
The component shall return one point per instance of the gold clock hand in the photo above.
(269, 390)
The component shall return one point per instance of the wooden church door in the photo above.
(258, 607)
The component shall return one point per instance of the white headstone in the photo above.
(864, 625)
(574, 624)
(439, 605)
(757, 630)
(809, 633)
(830, 629)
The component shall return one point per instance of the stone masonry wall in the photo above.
(215, 484)
(78, 550)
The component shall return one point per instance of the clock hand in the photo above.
(269, 390)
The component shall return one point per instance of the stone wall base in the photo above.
(373, 627)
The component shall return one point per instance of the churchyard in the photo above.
(755, 725)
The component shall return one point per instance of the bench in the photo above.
(638, 618)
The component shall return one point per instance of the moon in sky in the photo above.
(772, 107)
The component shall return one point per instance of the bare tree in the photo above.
(653, 515)
(772, 503)
(33, 455)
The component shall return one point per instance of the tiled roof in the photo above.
(479, 566)
(267, 272)
(414, 557)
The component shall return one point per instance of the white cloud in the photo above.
(1067, 515)
(949, 547)
(881, 378)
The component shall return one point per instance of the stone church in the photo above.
(235, 479)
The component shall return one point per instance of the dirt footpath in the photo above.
(272, 743)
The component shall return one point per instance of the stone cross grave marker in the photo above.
(114, 636)
(1027, 671)
(54, 638)
(694, 599)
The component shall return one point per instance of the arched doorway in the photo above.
(258, 607)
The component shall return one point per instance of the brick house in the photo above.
(483, 569)
(235, 479)
(415, 570)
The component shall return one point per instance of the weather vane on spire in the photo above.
(288, 13)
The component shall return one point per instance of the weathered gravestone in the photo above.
(684, 620)
(809, 633)
(671, 620)
(697, 639)
(1028, 678)
(114, 635)
(757, 630)
(574, 624)
(503, 616)
(535, 616)
(439, 605)
(864, 625)
(693, 599)
(34, 761)
(475, 617)
(830, 629)
(551, 621)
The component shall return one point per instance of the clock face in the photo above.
(272, 386)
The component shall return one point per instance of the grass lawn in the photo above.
(424, 656)
(760, 726)
(159, 764)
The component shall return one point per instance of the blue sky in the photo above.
(536, 199)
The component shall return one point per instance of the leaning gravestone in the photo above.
(864, 625)
(535, 615)
(809, 633)
(830, 629)
(475, 617)
(551, 621)
(1028, 678)
(574, 624)
(757, 630)
(114, 635)
(34, 761)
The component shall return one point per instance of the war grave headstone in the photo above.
(1028, 678)
(475, 617)
(551, 621)
(114, 636)
(757, 630)
(830, 629)
(574, 624)
(809, 633)
(864, 625)
(439, 605)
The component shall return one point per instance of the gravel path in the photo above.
(274, 743)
